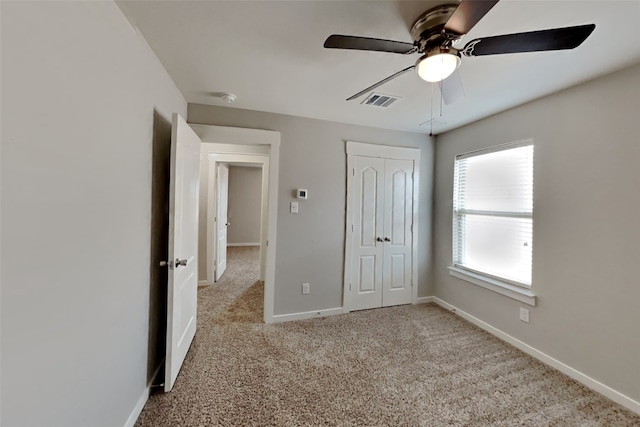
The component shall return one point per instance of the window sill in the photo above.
(523, 295)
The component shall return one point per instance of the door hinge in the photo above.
(352, 228)
(267, 244)
(349, 287)
(354, 171)
(412, 228)
(215, 219)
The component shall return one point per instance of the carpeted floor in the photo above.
(410, 365)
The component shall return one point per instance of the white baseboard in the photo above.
(243, 244)
(138, 408)
(204, 283)
(423, 300)
(277, 318)
(586, 380)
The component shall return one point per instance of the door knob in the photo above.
(379, 239)
(228, 224)
(180, 262)
(386, 239)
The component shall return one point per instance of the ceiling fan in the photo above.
(437, 31)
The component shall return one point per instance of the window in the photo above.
(493, 213)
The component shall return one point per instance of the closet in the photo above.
(381, 209)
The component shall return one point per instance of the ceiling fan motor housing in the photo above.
(427, 32)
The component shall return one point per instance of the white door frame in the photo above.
(387, 152)
(246, 141)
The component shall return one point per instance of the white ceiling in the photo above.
(270, 54)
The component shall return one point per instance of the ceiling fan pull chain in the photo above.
(441, 98)
(431, 121)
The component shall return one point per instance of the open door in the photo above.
(183, 246)
(222, 184)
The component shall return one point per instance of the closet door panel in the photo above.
(368, 206)
(398, 220)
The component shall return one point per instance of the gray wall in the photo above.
(245, 192)
(586, 240)
(310, 246)
(86, 108)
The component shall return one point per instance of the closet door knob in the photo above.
(386, 239)
(379, 239)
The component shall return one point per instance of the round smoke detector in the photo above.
(228, 97)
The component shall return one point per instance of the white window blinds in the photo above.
(493, 212)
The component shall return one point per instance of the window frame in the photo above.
(514, 289)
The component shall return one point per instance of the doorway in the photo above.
(214, 222)
(235, 211)
(239, 147)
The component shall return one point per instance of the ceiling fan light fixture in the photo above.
(437, 65)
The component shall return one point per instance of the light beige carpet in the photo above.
(410, 365)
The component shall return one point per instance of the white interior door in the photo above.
(368, 245)
(222, 219)
(398, 243)
(183, 246)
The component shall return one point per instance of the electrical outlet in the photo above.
(305, 288)
(524, 315)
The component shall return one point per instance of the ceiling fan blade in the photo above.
(381, 82)
(452, 89)
(337, 41)
(534, 41)
(467, 15)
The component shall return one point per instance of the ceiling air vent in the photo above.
(380, 100)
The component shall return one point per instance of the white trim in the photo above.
(133, 417)
(243, 244)
(306, 315)
(495, 148)
(204, 283)
(261, 138)
(236, 136)
(386, 151)
(512, 291)
(584, 379)
(390, 152)
(424, 300)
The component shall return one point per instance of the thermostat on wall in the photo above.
(302, 193)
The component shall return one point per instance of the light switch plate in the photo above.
(294, 207)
